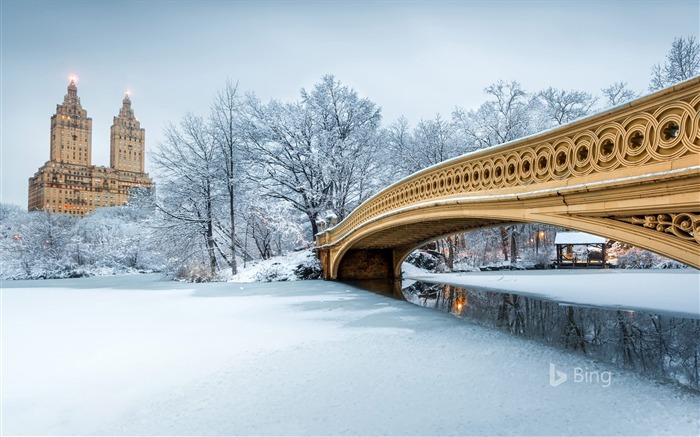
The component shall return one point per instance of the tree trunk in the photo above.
(450, 261)
(231, 206)
(504, 241)
(210, 240)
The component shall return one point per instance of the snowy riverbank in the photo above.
(134, 355)
(672, 292)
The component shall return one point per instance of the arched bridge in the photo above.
(631, 174)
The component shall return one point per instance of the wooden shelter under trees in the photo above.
(579, 249)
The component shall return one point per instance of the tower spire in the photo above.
(126, 111)
(72, 96)
(72, 89)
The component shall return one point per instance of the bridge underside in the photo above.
(378, 255)
(666, 222)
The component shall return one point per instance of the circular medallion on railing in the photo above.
(607, 149)
(420, 191)
(543, 158)
(476, 169)
(561, 162)
(582, 154)
(487, 173)
(635, 143)
(674, 122)
(441, 182)
(512, 166)
(449, 181)
(458, 181)
(434, 184)
(633, 146)
(466, 177)
(527, 166)
(430, 190)
(499, 171)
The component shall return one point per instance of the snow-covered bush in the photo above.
(538, 259)
(294, 266)
(45, 245)
(635, 258)
(427, 260)
(194, 272)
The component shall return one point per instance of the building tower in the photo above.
(71, 131)
(127, 141)
(68, 183)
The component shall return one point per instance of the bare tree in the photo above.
(398, 140)
(434, 142)
(563, 106)
(618, 93)
(430, 142)
(225, 121)
(191, 185)
(506, 117)
(682, 63)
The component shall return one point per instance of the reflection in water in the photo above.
(385, 287)
(657, 345)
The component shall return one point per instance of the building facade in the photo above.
(68, 182)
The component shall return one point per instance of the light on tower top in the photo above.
(73, 78)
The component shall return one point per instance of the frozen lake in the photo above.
(135, 355)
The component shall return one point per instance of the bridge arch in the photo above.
(631, 174)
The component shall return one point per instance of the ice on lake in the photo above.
(137, 355)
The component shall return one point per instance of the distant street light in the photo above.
(540, 236)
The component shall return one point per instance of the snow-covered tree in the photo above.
(506, 117)
(397, 139)
(682, 63)
(430, 142)
(563, 106)
(192, 186)
(41, 246)
(317, 154)
(226, 117)
(119, 237)
(618, 93)
(272, 228)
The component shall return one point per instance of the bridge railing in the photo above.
(661, 127)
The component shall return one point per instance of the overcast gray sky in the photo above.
(413, 58)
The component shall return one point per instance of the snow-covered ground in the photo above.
(135, 355)
(673, 292)
(287, 267)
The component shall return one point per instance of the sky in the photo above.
(412, 58)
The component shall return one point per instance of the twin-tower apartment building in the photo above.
(68, 182)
